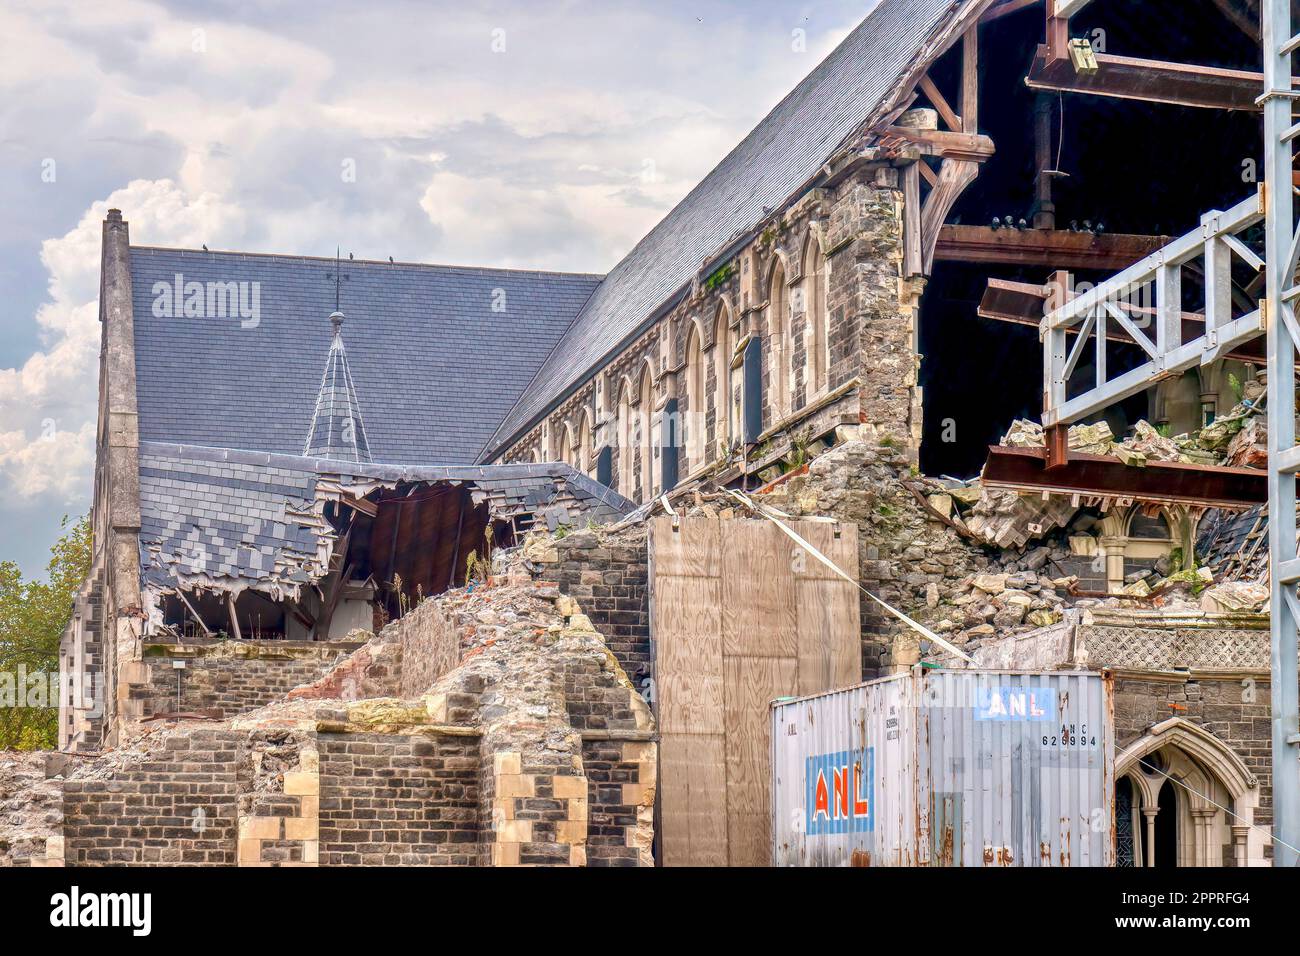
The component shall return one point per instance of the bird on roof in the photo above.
(205, 248)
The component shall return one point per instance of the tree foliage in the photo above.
(33, 615)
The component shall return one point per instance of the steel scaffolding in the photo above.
(1282, 244)
(1121, 303)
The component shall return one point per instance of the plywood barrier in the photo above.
(739, 616)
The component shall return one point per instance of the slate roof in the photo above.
(784, 152)
(438, 353)
(246, 518)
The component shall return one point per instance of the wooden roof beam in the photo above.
(967, 147)
(1067, 8)
(1051, 248)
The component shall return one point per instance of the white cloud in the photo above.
(234, 136)
(47, 404)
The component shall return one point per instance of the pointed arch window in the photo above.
(724, 345)
(626, 451)
(645, 438)
(780, 344)
(816, 321)
(693, 422)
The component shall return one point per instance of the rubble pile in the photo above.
(1237, 439)
(31, 807)
(919, 551)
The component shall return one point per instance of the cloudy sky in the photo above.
(526, 133)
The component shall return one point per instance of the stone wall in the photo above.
(31, 810)
(430, 647)
(487, 765)
(621, 780)
(173, 805)
(1234, 708)
(865, 313)
(608, 575)
(399, 801)
(225, 678)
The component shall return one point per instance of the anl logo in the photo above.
(840, 793)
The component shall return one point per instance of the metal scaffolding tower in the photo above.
(1150, 293)
(1282, 244)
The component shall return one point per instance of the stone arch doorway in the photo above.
(1183, 798)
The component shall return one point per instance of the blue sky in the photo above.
(529, 134)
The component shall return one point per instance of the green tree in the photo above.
(33, 615)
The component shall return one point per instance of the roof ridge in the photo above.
(297, 257)
(779, 157)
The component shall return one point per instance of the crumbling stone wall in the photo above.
(430, 647)
(486, 765)
(608, 574)
(399, 800)
(31, 810)
(174, 803)
(225, 678)
(916, 562)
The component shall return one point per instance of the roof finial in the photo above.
(338, 281)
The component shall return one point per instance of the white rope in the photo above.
(794, 536)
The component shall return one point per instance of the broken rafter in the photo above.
(207, 631)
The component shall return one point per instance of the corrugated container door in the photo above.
(1019, 768)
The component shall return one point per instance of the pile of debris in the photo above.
(31, 807)
(1238, 439)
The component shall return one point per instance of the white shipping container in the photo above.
(947, 768)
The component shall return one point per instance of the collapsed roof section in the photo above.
(230, 521)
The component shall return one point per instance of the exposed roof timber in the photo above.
(1152, 81)
(940, 103)
(1000, 10)
(1024, 303)
(1025, 469)
(969, 147)
(1052, 248)
(1067, 8)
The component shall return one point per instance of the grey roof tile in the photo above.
(434, 367)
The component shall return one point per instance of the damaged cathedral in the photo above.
(357, 520)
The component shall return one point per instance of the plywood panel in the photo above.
(752, 683)
(740, 615)
(758, 599)
(693, 799)
(692, 549)
(836, 540)
(688, 655)
(828, 611)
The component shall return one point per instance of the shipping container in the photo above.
(947, 768)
